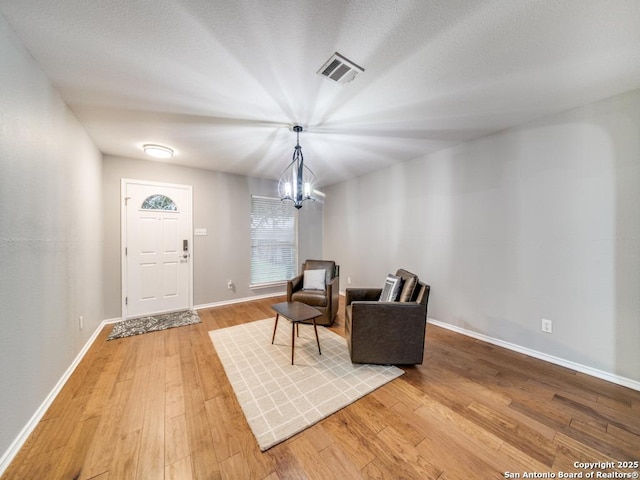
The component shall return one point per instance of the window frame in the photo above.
(293, 268)
(156, 195)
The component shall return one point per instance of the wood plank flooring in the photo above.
(159, 406)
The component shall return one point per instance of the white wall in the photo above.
(50, 237)
(541, 221)
(222, 205)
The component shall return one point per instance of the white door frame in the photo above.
(123, 239)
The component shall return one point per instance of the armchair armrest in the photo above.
(362, 294)
(333, 295)
(333, 288)
(293, 285)
(386, 332)
(335, 281)
(375, 313)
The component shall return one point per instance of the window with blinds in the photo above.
(273, 241)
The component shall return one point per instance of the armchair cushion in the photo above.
(409, 287)
(392, 288)
(329, 265)
(313, 298)
(314, 280)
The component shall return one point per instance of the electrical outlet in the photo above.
(229, 285)
(348, 280)
(80, 322)
(546, 326)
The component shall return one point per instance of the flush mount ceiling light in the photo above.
(157, 151)
(297, 181)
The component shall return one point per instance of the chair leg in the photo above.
(274, 329)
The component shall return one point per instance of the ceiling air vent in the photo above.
(339, 69)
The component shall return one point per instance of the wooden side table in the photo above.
(296, 313)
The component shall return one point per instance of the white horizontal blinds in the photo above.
(273, 240)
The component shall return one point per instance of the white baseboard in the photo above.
(238, 300)
(617, 379)
(242, 300)
(16, 445)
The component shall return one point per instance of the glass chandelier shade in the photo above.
(297, 181)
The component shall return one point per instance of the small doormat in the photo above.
(137, 326)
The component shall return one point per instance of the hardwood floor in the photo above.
(159, 406)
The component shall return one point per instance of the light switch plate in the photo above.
(200, 232)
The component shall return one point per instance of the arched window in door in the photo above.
(159, 202)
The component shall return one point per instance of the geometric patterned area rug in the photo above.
(279, 399)
(137, 326)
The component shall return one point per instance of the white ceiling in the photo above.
(220, 81)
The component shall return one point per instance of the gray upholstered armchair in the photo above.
(326, 301)
(387, 333)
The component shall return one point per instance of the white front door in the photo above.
(156, 240)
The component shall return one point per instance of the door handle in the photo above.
(186, 255)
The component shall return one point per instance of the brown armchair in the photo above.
(387, 333)
(326, 301)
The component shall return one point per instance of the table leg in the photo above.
(274, 329)
(293, 339)
(317, 339)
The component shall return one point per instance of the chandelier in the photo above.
(297, 181)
